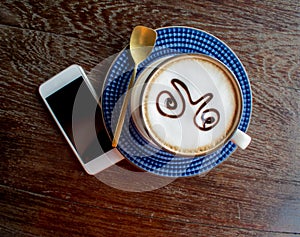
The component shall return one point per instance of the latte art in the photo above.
(166, 105)
(189, 105)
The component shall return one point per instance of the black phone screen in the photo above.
(80, 116)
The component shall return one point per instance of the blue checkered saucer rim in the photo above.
(214, 160)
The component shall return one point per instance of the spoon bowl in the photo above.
(142, 41)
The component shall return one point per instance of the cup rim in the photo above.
(156, 70)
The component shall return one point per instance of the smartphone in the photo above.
(73, 103)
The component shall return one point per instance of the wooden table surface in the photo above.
(255, 192)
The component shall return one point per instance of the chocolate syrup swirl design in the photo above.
(209, 118)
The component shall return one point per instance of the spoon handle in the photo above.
(123, 110)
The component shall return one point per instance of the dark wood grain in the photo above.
(263, 34)
(51, 217)
(254, 193)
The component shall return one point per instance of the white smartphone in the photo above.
(73, 103)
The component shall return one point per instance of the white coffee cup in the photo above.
(189, 105)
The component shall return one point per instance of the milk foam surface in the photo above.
(189, 105)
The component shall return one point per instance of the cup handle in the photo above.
(241, 139)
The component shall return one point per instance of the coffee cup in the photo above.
(189, 105)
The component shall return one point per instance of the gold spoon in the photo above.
(142, 41)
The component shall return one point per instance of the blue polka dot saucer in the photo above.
(133, 146)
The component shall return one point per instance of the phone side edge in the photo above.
(104, 161)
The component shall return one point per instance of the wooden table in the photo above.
(255, 192)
